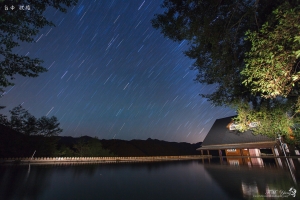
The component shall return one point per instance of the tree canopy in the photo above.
(23, 122)
(272, 64)
(249, 49)
(90, 147)
(18, 26)
(215, 31)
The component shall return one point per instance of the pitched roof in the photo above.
(220, 136)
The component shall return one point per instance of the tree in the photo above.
(48, 126)
(273, 62)
(23, 122)
(272, 118)
(21, 26)
(64, 151)
(81, 147)
(4, 120)
(215, 32)
(272, 70)
(30, 127)
(18, 118)
(90, 147)
(249, 50)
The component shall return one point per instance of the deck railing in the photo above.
(91, 159)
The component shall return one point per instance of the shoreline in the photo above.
(100, 159)
(54, 160)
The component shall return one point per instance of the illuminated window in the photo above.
(231, 150)
(233, 126)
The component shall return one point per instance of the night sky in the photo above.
(112, 75)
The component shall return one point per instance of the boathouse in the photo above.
(221, 141)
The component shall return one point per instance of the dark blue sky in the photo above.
(112, 75)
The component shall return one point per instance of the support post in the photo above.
(33, 154)
(281, 144)
(220, 155)
(273, 151)
(242, 155)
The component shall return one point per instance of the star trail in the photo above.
(112, 75)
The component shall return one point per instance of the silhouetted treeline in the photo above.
(150, 147)
(15, 144)
(23, 135)
(23, 122)
(81, 147)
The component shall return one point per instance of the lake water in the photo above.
(159, 180)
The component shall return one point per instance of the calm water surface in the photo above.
(160, 180)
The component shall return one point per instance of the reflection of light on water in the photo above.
(279, 162)
(292, 163)
(278, 159)
(297, 153)
(256, 161)
(28, 171)
(249, 190)
(234, 162)
(285, 150)
(249, 164)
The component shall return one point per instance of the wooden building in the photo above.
(239, 148)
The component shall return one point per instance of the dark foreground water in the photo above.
(160, 180)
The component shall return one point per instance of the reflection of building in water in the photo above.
(249, 190)
(244, 182)
(255, 153)
(240, 148)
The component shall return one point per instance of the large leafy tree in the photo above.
(248, 49)
(272, 70)
(18, 118)
(48, 126)
(18, 26)
(215, 31)
(273, 62)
